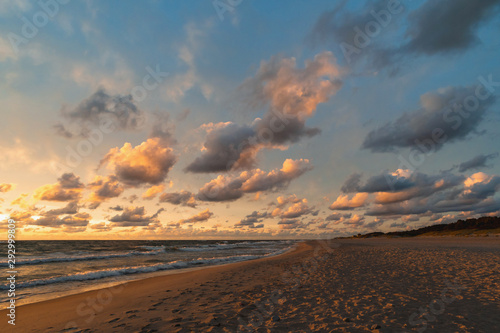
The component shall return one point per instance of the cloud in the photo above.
(53, 221)
(337, 216)
(422, 186)
(375, 223)
(70, 181)
(68, 188)
(440, 193)
(104, 188)
(446, 115)
(398, 225)
(344, 203)
(117, 208)
(291, 95)
(250, 220)
(447, 26)
(436, 27)
(184, 198)
(147, 163)
(200, 217)
(282, 201)
(355, 221)
(298, 208)
(100, 227)
(285, 224)
(227, 188)
(478, 161)
(70, 209)
(4, 187)
(100, 109)
(133, 217)
(385, 182)
(153, 191)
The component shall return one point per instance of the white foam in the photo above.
(100, 274)
(43, 260)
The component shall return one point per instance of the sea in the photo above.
(51, 269)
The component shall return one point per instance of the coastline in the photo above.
(87, 309)
(105, 281)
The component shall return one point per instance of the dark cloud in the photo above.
(372, 36)
(228, 188)
(184, 198)
(71, 208)
(375, 223)
(147, 163)
(251, 219)
(117, 208)
(132, 217)
(70, 181)
(291, 95)
(224, 147)
(104, 188)
(440, 194)
(447, 25)
(352, 183)
(478, 161)
(100, 109)
(385, 182)
(398, 225)
(445, 116)
(53, 221)
(287, 224)
(337, 216)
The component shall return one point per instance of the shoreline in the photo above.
(119, 294)
(110, 282)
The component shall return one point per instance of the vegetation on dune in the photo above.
(482, 225)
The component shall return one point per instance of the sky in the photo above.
(238, 119)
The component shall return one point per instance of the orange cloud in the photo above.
(6, 187)
(153, 191)
(343, 202)
(104, 188)
(200, 217)
(68, 188)
(227, 188)
(148, 162)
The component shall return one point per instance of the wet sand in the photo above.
(433, 284)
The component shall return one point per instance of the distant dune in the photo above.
(482, 226)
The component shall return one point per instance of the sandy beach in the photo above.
(371, 285)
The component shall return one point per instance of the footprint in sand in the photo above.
(113, 320)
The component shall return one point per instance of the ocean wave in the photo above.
(43, 260)
(116, 272)
(100, 274)
(229, 246)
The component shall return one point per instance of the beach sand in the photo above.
(361, 285)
